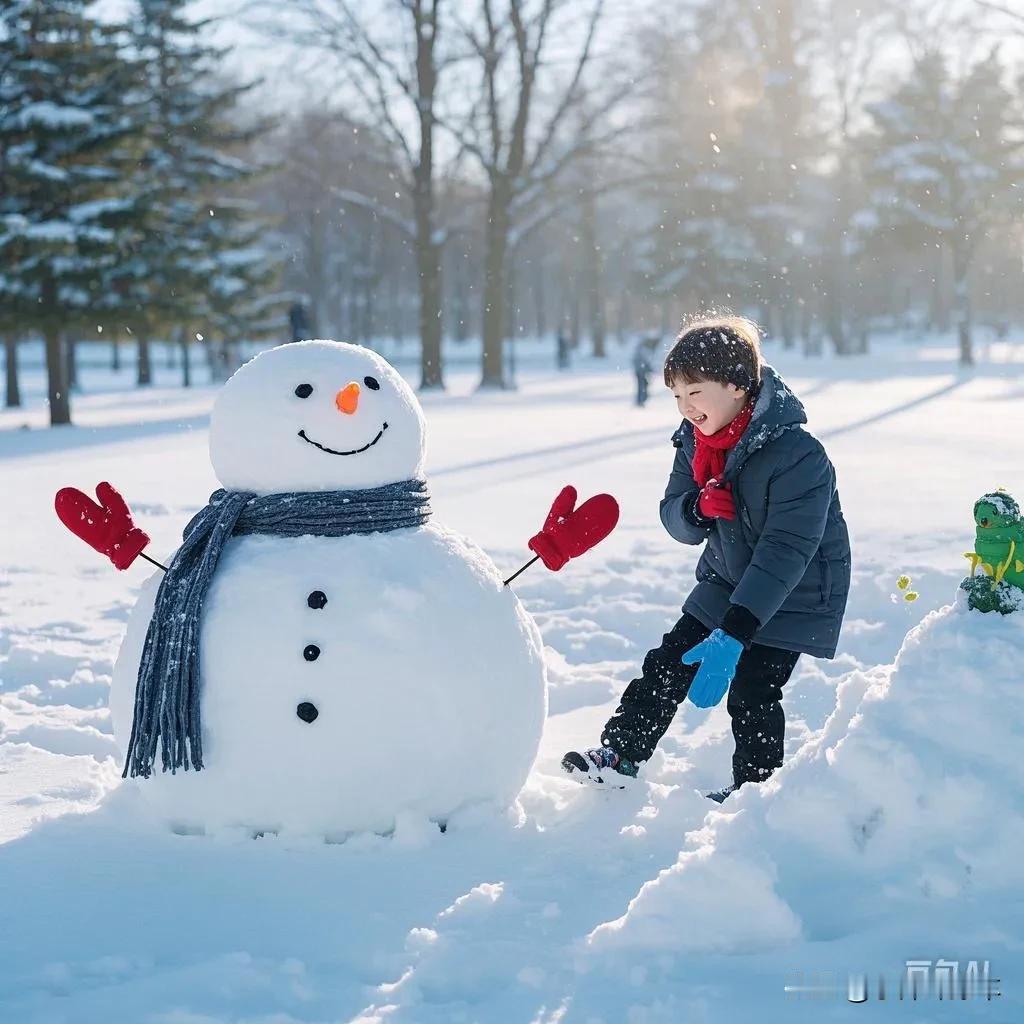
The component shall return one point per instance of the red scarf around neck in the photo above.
(713, 449)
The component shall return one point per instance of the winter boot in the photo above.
(600, 765)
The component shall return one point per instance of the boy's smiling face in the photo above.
(707, 404)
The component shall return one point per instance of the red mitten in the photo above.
(716, 502)
(569, 531)
(107, 527)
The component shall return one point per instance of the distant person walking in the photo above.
(562, 350)
(643, 366)
(298, 319)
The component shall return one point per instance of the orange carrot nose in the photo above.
(347, 399)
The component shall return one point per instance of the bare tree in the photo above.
(1005, 9)
(12, 397)
(389, 54)
(524, 129)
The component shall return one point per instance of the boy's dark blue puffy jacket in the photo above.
(786, 555)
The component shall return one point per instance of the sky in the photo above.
(291, 76)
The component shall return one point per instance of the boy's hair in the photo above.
(726, 349)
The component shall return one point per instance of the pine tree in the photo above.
(944, 165)
(201, 256)
(68, 135)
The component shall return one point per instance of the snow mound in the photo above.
(908, 800)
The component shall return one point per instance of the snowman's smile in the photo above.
(331, 451)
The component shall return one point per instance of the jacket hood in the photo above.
(776, 410)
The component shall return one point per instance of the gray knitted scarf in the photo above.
(167, 695)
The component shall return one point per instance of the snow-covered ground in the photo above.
(893, 834)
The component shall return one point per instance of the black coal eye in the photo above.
(371, 383)
(304, 390)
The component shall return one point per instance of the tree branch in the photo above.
(571, 94)
(365, 202)
(491, 57)
(1001, 9)
(568, 200)
(527, 76)
(585, 142)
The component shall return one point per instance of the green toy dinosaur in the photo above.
(999, 550)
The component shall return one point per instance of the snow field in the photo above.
(889, 834)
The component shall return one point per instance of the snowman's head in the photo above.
(316, 416)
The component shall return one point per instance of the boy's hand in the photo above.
(718, 655)
(715, 501)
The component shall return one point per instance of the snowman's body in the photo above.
(346, 681)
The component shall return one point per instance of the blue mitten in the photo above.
(718, 656)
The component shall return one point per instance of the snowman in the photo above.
(350, 661)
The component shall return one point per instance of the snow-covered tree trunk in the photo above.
(496, 240)
(568, 299)
(428, 264)
(316, 266)
(56, 386)
(962, 299)
(834, 312)
(787, 311)
(593, 268)
(513, 320)
(12, 398)
(212, 352)
(144, 364)
(625, 314)
(186, 363)
(575, 320)
(71, 363)
(835, 324)
(666, 316)
(539, 297)
(938, 299)
(428, 251)
(460, 300)
(368, 325)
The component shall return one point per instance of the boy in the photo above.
(772, 581)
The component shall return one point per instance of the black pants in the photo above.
(758, 722)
